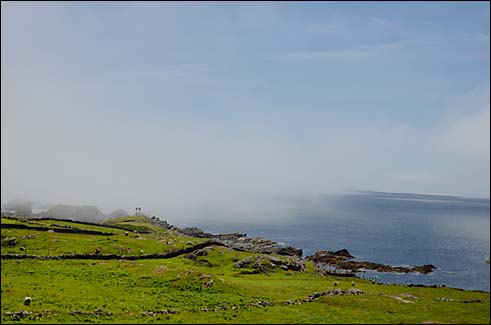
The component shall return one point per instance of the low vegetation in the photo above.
(203, 287)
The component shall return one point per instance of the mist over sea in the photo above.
(451, 233)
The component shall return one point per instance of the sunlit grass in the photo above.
(123, 290)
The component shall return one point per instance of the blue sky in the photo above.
(201, 101)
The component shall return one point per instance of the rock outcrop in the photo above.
(267, 263)
(163, 223)
(261, 245)
(199, 233)
(238, 241)
(341, 260)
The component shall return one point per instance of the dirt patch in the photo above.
(161, 269)
(403, 297)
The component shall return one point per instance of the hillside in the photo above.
(117, 213)
(134, 270)
(75, 212)
(18, 206)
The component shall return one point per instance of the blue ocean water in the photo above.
(451, 233)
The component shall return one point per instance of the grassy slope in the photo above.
(129, 288)
(45, 243)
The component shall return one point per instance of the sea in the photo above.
(451, 233)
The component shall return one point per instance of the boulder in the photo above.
(343, 252)
(268, 263)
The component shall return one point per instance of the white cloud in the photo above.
(120, 135)
(409, 46)
(465, 131)
(385, 23)
(468, 135)
(416, 177)
(327, 55)
(366, 52)
(326, 29)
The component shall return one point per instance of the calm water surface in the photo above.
(398, 229)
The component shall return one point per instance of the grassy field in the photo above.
(122, 291)
(35, 242)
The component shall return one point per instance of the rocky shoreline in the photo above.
(340, 260)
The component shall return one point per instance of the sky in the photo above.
(202, 108)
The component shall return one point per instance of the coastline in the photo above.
(168, 277)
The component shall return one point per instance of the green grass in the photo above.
(47, 243)
(57, 224)
(126, 289)
(137, 223)
(127, 219)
